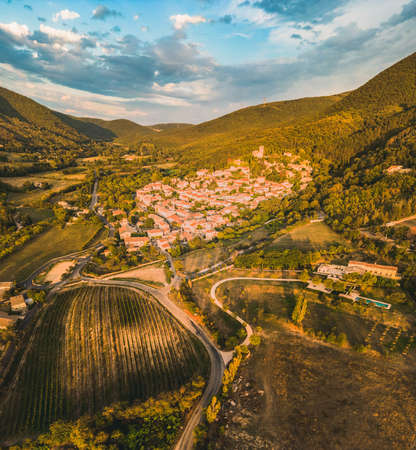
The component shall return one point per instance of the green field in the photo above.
(57, 180)
(37, 214)
(92, 347)
(312, 236)
(51, 244)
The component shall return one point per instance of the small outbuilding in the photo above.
(18, 303)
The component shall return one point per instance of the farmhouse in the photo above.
(17, 303)
(375, 269)
(4, 287)
(6, 321)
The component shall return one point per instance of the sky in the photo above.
(154, 61)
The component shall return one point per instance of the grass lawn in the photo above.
(51, 244)
(312, 236)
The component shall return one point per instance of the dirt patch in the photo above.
(55, 273)
(295, 393)
(151, 273)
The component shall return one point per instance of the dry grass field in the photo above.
(298, 391)
(312, 236)
(153, 273)
(295, 393)
(201, 259)
(55, 273)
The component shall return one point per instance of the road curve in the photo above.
(217, 363)
(247, 326)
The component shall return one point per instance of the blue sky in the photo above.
(192, 60)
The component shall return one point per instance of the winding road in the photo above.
(218, 359)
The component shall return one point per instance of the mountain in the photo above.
(121, 129)
(24, 122)
(170, 126)
(335, 127)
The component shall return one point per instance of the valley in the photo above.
(246, 282)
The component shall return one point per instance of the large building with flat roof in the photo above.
(375, 269)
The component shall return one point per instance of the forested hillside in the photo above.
(335, 127)
(24, 122)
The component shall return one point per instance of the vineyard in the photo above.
(91, 347)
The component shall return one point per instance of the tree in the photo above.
(61, 214)
(304, 276)
(299, 310)
(213, 409)
(255, 339)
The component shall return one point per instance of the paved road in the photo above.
(94, 196)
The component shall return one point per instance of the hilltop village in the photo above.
(202, 205)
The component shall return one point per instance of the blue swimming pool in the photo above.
(370, 301)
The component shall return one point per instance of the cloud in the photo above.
(60, 35)
(241, 35)
(15, 29)
(408, 12)
(136, 17)
(173, 77)
(65, 14)
(102, 13)
(227, 19)
(144, 28)
(302, 10)
(28, 7)
(182, 20)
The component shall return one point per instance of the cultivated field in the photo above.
(312, 236)
(91, 347)
(51, 244)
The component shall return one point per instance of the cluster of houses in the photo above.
(338, 271)
(78, 212)
(202, 205)
(16, 305)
